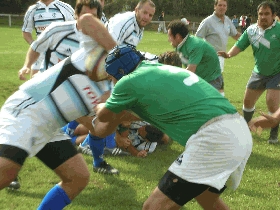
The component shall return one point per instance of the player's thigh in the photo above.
(158, 200)
(210, 200)
(63, 158)
(11, 161)
(272, 100)
(81, 130)
(255, 87)
(251, 96)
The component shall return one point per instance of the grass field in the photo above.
(259, 188)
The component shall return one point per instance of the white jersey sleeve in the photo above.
(67, 10)
(58, 41)
(28, 22)
(124, 29)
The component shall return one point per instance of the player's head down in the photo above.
(122, 60)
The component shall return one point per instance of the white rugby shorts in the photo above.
(25, 128)
(217, 154)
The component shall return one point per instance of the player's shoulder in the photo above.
(64, 5)
(32, 7)
(66, 24)
(122, 17)
(208, 19)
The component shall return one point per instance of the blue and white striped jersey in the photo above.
(39, 16)
(58, 41)
(64, 92)
(124, 29)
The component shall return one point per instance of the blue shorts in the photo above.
(260, 82)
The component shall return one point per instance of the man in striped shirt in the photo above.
(39, 16)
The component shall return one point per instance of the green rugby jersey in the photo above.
(175, 100)
(266, 48)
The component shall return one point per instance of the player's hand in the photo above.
(271, 119)
(223, 54)
(122, 141)
(98, 107)
(142, 153)
(22, 72)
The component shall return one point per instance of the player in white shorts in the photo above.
(39, 16)
(58, 41)
(216, 139)
(32, 117)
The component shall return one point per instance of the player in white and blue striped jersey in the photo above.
(30, 120)
(40, 15)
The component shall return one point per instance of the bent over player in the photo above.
(30, 119)
(216, 138)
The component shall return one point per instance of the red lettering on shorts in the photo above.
(92, 95)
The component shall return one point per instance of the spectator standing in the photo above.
(243, 24)
(216, 29)
(161, 26)
(266, 73)
(248, 21)
(235, 21)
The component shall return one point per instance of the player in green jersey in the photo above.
(216, 138)
(264, 39)
(197, 55)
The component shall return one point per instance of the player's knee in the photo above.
(7, 176)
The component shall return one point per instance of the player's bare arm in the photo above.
(236, 36)
(265, 121)
(30, 58)
(232, 52)
(191, 67)
(27, 37)
(94, 28)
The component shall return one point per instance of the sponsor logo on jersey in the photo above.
(41, 28)
(92, 95)
(68, 51)
(179, 160)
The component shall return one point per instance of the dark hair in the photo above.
(178, 27)
(154, 134)
(216, 2)
(140, 3)
(266, 4)
(170, 58)
(91, 4)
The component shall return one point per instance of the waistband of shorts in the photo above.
(221, 117)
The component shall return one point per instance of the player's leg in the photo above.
(11, 161)
(255, 88)
(97, 146)
(64, 160)
(172, 193)
(210, 199)
(111, 147)
(272, 102)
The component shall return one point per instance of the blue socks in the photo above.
(97, 147)
(110, 141)
(71, 126)
(55, 199)
(69, 129)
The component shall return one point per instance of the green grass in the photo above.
(259, 188)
